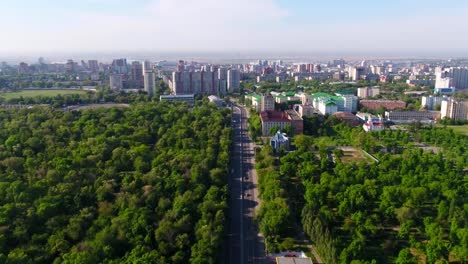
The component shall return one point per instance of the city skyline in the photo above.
(422, 28)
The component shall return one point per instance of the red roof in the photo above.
(273, 116)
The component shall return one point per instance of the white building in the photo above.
(431, 102)
(454, 109)
(150, 82)
(355, 73)
(349, 102)
(325, 105)
(147, 66)
(215, 99)
(373, 124)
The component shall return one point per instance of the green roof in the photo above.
(332, 97)
(256, 96)
(290, 94)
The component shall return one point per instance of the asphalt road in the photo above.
(243, 243)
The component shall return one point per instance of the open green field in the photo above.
(35, 93)
(460, 129)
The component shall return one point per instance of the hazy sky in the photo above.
(373, 26)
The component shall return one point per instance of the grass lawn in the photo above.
(460, 129)
(35, 93)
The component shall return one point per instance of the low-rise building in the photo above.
(348, 118)
(280, 140)
(387, 104)
(297, 122)
(256, 101)
(373, 125)
(293, 260)
(280, 120)
(186, 98)
(304, 110)
(271, 119)
(411, 116)
(215, 99)
(326, 104)
(305, 98)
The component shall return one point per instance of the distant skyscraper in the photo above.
(137, 74)
(339, 63)
(301, 68)
(222, 74)
(208, 81)
(150, 82)
(93, 65)
(181, 82)
(119, 66)
(355, 73)
(116, 82)
(181, 66)
(233, 80)
(146, 66)
(195, 82)
(317, 68)
(456, 77)
(70, 66)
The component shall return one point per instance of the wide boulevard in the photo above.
(244, 244)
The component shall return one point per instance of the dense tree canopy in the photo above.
(408, 207)
(145, 184)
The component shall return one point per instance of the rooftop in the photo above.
(177, 96)
(328, 96)
(256, 96)
(382, 101)
(293, 115)
(273, 116)
(290, 260)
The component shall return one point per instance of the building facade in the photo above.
(267, 103)
(150, 82)
(412, 116)
(365, 92)
(116, 82)
(454, 109)
(233, 81)
(452, 77)
(387, 104)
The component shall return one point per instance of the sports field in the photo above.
(35, 93)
